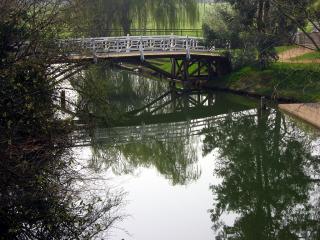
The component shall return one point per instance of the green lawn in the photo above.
(309, 56)
(281, 49)
(298, 82)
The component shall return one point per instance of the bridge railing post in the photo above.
(117, 46)
(193, 44)
(141, 49)
(128, 43)
(95, 59)
(106, 47)
(93, 45)
(188, 49)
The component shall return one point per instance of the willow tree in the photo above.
(97, 16)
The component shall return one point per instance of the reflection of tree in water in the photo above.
(107, 93)
(38, 199)
(175, 158)
(267, 170)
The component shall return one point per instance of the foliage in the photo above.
(302, 14)
(38, 199)
(174, 158)
(258, 24)
(99, 16)
(221, 24)
(266, 178)
(245, 56)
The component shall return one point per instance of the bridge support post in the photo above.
(173, 67)
(186, 70)
(210, 70)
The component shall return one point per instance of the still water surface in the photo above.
(203, 164)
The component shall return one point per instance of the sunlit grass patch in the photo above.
(281, 49)
(309, 56)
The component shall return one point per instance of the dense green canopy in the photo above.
(96, 17)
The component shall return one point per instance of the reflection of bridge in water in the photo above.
(175, 115)
(176, 100)
(158, 132)
(178, 105)
(153, 132)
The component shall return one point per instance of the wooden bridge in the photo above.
(188, 58)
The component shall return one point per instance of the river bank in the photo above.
(287, 81)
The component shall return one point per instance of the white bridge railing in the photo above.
(140, 44)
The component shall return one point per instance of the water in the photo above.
(201, 165)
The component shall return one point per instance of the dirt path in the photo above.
(293, 53)
(289, 55)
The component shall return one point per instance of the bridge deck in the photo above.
(148, 55)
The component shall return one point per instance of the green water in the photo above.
(203, 164)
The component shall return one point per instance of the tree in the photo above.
(301, 13)
(38, 198)
(98, 16)
(259, 24)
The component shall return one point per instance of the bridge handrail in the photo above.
(136, 43)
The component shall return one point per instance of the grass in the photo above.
(281, 49)
(299, 82)
(309, 56)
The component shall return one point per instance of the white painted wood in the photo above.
(140, 44)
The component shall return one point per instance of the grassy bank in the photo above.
(298, 82)
(308, 56)
(282, 49)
